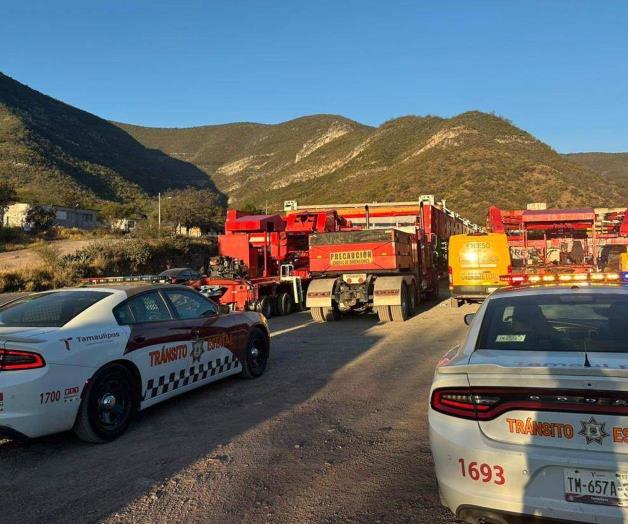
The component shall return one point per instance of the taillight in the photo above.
(489, 403)
(461, 403)
(450, 271)
(14, 360)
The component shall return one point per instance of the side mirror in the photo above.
(224, 309)
(468, 318)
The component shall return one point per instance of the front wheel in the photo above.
(108, 405)
(257, 353)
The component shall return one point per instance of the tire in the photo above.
(383, 312)
(434, 292)
(257, 354)
(412, 303)
(265, 306)
(325, 314)
(317, 314)
(285, 304)
(108, 405)
(400, 313)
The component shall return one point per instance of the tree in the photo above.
(7, 196)
(40, 218)
(193, 207)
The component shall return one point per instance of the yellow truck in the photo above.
(476, 261)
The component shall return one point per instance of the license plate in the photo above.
(589, 486)
(354, 278)
(491, 289)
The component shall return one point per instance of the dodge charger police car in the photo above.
(529, 416)
(88, 358)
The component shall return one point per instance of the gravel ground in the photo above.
(335, 431)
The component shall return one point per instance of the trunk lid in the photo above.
(552, 398)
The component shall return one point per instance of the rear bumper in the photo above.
(533, 484)
(472, 292)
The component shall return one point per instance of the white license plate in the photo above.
(491, 289)
(354, 278)
(596, 487)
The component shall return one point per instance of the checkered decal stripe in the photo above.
(167, 383)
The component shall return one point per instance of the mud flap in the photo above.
(319, 293)
(387, 291)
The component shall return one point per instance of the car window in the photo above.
(190, 305)
(594, 322)
(48, 309)
(148, 307)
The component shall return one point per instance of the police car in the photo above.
(528, 417)
(87, 359)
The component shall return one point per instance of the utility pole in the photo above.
(159, 214)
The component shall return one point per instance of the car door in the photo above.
(212, 349)
(159, 343)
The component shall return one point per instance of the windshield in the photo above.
(48, 309)
(593, 322)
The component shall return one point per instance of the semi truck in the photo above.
(384, 270)
(390, 258)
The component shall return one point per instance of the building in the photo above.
(15, 216)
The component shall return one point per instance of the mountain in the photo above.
(58, 154)
(612, 166)
(473, 160)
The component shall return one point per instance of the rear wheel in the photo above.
(265, 306)
(257, 353)
(400, 313)
(434, 292)
(108, 405)
(285, 304)
(383, 312)
(324, 314)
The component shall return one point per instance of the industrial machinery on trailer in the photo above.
(562, 241)
(263, 262)
(391, 256)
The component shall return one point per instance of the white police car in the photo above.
(529, 416)
(88, 358)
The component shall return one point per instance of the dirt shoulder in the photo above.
(23, 258)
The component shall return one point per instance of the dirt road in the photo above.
(335, 431)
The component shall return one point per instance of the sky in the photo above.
(556, 68)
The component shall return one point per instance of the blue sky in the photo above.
(559, 69)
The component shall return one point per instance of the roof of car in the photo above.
(561, 289)
(128, 288)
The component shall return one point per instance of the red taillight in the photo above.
(461, 403)
(14, 360)
(489, 403)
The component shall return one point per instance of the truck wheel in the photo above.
(383, 312)
(317, 314)
(434, 292)
(413, 300)
(400, 313)
(331, 313)
(325, 314)
(265, 306)
(108, 405)
(285, 304)
(257, 352)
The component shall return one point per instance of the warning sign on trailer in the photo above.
(350, 258)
